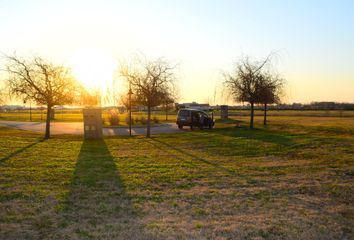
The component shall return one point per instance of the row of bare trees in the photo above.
(152, 83)
(44, 83)
(254, 82)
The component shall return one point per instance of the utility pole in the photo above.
(166, 110)
(30, 109)
(30, 112)
(130, 109)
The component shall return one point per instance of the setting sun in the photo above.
(93, 68)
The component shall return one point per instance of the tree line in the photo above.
(150, 83)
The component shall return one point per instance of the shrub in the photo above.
(136, 119)
(155, 119)
(143, 120)
(113, 117)
(127, 120)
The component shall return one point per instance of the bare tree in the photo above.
(151, 82)
(270, 91)
(124, 100)
(2, 97)
(244, 84)
(3, 92)
(168, 103)
(40, 81)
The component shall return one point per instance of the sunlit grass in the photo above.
(290, 180)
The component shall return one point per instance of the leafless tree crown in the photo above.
(152, 82)
(40, 81)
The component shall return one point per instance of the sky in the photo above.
(313, 41)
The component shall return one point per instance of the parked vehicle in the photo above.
(194, 118)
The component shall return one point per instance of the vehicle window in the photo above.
(183, 113)
(203, 114)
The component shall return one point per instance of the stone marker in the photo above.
(224, 112)
(92, 123)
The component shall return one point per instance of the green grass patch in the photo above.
(291, 179)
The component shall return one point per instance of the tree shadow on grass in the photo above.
(19, 151)
(97, 206)
(258, 134)
(193, 157)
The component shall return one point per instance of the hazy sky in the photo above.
(314, 40)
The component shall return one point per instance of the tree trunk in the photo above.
(47, 125)
(265, 114)
(148, 122)
(166, 111)
(252, 114)
(52, 114)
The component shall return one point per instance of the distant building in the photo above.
(11, 107)
(194, 105)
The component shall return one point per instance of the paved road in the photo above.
(77, 128)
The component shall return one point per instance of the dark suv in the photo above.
(194, 118)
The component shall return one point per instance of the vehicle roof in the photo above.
(192, 110)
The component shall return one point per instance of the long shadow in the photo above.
(19, 151)
(164, 147)
(263, 135)
(195, 157)
(97, 206)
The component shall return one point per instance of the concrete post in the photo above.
(224, 112)
(92, 123)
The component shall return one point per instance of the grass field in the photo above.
(296, 113)
(290, 180)
(76, 116)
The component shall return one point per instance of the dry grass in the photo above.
(291, 180)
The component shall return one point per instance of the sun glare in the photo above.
(93, 68)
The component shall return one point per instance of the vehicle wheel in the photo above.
(180, 126)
